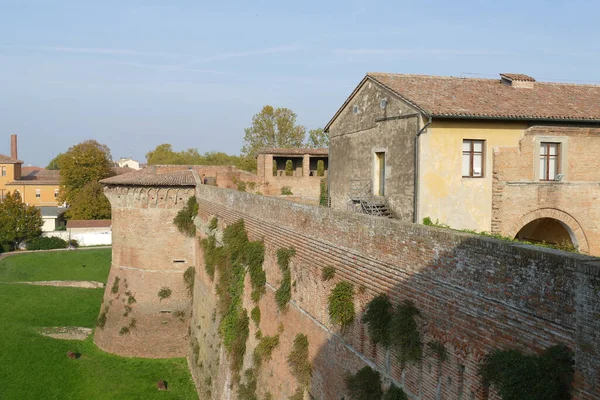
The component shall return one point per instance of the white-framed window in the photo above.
(473, 158)
(549, 161)
(3, 171)
(56, 193)
(38, 193)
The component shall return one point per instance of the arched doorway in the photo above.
(549, 225)
(547, 230)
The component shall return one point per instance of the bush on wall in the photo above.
(378, 317)
(341, 304)
(184, 220)
(405, 335)
(284, 293)
(364, 385)
(298, 360)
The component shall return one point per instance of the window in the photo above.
(3, 169)
(38, 193)
(549, 161)
(355, 110)
(472, 158)
(55, 193)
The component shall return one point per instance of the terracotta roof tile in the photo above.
(490, 98)
(517, 77)
(295, 151)
(39, 177)
(7, 160)
(82, 223)
(149, 177)
(29, 169)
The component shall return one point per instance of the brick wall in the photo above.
(518, 197)
(475, 294)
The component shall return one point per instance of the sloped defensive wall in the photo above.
(474, 294)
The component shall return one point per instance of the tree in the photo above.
(272, 127)
(317, 138)
(54, 164)
(90, 203)
(18, 221)
(83, 163)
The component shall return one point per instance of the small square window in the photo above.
(383, 104)
(473, 158)
(355, 110)
(38, 193)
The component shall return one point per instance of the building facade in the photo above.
(510, 156)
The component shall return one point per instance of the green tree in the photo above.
(317, 138)
(163, 154)
(83, 163)
(54, 164)
(272, 127)
(90, 203)
(18, 221)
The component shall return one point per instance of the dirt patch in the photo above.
(66, 332)
(77, 284)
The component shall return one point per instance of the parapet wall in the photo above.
(475, 295)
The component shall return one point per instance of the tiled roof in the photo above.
(149, 177)
(295, 151)
(7, 160)
(82, 223)
(517, 77)
(39, 177)
(450, 97)
(29, 169)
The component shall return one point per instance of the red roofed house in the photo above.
(511, 155)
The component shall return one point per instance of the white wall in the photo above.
(85, 236)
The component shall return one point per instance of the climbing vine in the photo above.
(341, 304)
(364, 385)
(284, 293)
(298, 360)
(518, 376)
(405, 335)
(378, 317)
(394, 393)
(188, 279)
(327, 273)
(184, 220)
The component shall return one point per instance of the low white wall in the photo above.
(91, 237)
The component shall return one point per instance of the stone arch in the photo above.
(578, 237)
(152, 197)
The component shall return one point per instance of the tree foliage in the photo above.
(90, 203)
(184, 220)
(54, 164)
(317, 138)
(164, 154)
(18, 221)
(83, 163)
(272, 127)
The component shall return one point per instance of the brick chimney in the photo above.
(13, 147)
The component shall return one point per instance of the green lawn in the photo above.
(76, 265)
(37, 367)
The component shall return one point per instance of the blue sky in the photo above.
(133, 74)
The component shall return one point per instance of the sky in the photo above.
(133, 74)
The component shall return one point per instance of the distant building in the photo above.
(10, 167)
(129, 162)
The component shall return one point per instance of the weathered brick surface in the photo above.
(518, 197)
(475, 295)
(148, 254)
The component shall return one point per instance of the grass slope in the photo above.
(57, 265)
(36, 367)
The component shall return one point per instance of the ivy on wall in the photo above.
(341, 304)
(184, 220)
(284, 293)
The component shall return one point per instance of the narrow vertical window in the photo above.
(55, 193)
(549, 161)
(3, 171)
(472, 158)
(38, 193)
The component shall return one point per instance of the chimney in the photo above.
(13, 147)
(517, 80)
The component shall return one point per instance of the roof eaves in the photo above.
(405, 99)
(515, 118)
(338, 112)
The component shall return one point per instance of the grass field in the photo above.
(37, 367)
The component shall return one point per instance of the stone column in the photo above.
(306, 165)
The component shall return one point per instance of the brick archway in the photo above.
(573, 227)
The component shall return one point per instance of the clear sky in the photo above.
(133, 74)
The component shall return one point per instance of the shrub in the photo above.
(263, 350)
(341, 304)
(405, 335)
(378, 317)
(364, 385)
(436, 348)
(132, 323)
(73, 243)
(5, 247)
(184, 220)
(530, 377)
(289, 168)
(115, 286)
(286, 191)
(241, 186)
(212, 255)
(298, 360)
(327, 273)
(101, 321)
(255, 315)
(247, 391)
(213, 224)
(124, 330)
(255, 257)
(323, 193)
(274, 168)
(46, 243)
(164, 293)
(61, 228)
(320, 168)
(234, 329)
(395, 393)
(188, 278)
